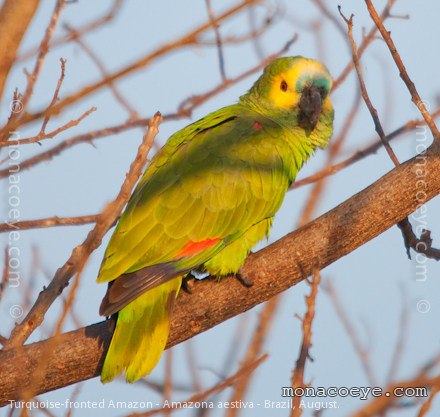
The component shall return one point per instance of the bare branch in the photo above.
(55, 95)
(188, 105)
(350, 329)
(364, 45)
(186, 40)
(365, 96)
(358, 155)
(82, 30)
(427, 405)
(384, 402)
(409, 237)
(105, 74)
(15, 16)
(243, 371)
(254, 350)
(185, 110)
(306, 344)
(32, 77)
(5, 274)
(218, 39)
(419, 245)
(86, 137)
(334, 149)
(401, 338)
(48, 222)
(50, 135)
(415, 97)
(81, 253)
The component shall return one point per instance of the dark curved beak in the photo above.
(310, 106)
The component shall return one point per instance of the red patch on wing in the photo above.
(192, 248)
(257, 125)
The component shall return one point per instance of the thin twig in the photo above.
(47, 274)
(306, 344)
(401, 338)
(55, 95)
(424, 409)
(358, 155)
(168, 381)
(230, 359)
(415, 97)
(256, 32)
(76, 36)
(68, 303)
(361, 351)
(80, 254)
(73, 397)
(50, 135)
(330, 16)
(188, 105)
(218, 39)
(386, 402)
(335, 147)
(243, 371)
(363, 46)
(253, 352)
(5, 273)
(192, 365)
(41, 369)
(32, 77)
(189, 39)
(420, 245)
(82, 30)
(364, 92)
(48, 222)
(68, 143)
(185, 109)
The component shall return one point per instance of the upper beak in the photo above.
(310, 106)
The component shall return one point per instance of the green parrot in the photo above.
(207, 197)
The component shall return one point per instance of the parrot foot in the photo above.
(186, 282)
(244, 279)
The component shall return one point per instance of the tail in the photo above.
(141, 333)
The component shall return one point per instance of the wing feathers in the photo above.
(130, 286)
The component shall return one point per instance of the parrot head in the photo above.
(295, 91)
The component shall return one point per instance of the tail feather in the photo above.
(141, 333)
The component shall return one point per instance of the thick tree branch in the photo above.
(78, 355)
(15, 16)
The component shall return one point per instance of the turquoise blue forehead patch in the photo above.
(316, 79)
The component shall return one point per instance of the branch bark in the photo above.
(78, 355)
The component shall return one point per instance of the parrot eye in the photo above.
(283, 86)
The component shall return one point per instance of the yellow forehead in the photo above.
(306, 68)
